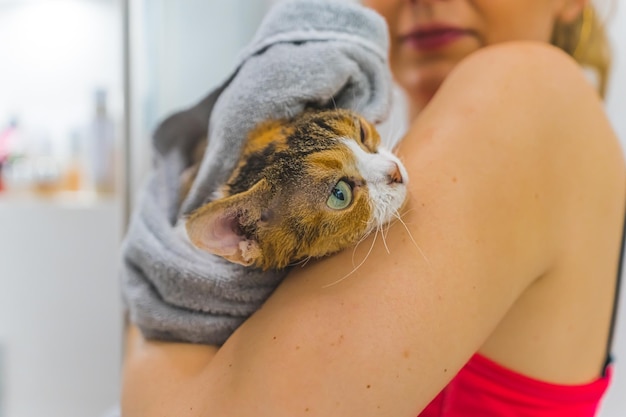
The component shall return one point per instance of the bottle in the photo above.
(74, 170)
(102, 144)
(47, 173)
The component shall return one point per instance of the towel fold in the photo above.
(320, 53)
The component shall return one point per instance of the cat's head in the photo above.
(304, 187)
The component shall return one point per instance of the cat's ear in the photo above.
(217, 227)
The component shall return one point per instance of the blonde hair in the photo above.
(586, 41)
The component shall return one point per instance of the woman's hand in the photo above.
(159, 376)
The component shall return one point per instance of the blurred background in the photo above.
(83, 83)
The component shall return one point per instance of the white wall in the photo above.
(181, 51)
(616, 97)
(55, 54)
(60, 323)
(60, 320)
(615, 403)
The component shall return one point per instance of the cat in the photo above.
(303, 188)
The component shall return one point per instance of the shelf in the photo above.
(64, 200)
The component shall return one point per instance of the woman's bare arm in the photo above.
(485, 162)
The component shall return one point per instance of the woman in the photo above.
(499, 293)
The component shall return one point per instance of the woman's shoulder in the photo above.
(527, 133)
(526, 126)
(537, 60)
(530, 51)
(530, 95)
(533, 77)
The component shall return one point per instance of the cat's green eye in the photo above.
(340, 196)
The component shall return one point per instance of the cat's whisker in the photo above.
(404, 213)
(389, 224)
(303, 262)
(358, 266)
(397, 215)
(358, 103)
(356, 245)
(382, 234)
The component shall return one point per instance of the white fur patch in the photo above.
(386, 197)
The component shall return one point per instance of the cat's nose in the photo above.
(394, 175)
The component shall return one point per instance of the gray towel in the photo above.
(306, 52)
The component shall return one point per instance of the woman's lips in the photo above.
(431, 39)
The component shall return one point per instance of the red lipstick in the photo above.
(433, 37)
